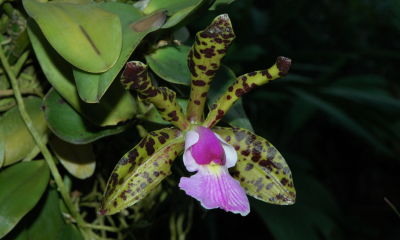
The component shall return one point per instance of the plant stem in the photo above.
(106, 228)
(47, 155)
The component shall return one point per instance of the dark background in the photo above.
(335, 117)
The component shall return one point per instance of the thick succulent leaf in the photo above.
(69, 232)
(152, 115)
(135, 26)
(169, 63)
(43, 222)
(236, 115)
(89, 43)
(141, 169)
(116, 106)
(22, 185)
(187, 15)
(204, 59)
(18, 141)
(136, 77)
(260, 169)
(244, 84)
(220, 3)
(79, 160)
(72, 126)
(172, 6)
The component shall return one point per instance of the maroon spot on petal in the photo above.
(202, 67)
(204, 94)
(237, 147)
(115, 203)
(237, 174)
(199, 83)
(150, 146)
(165, 135)
(153, 134)
(172, 114)
(132, 155)
(161, 109)
(244, 78)
(156, 174)
(228, 138)
(114, 179)
(197, 40)
(220, 114)
(196, 54)
(252, 74)
(208, 52)
(242, 179)
(245, 152)
(210, 72)
(214, 106)
(204, 43)
(218, 40)
(250, 139)
(161, 139)
(266, 73)
(197, 102)
(239, 92)
(175, 119)
(230, 88)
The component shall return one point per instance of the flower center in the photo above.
(208, 150)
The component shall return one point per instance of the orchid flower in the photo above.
(229, 162)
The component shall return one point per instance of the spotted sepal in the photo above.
(141, 169)
(260, 169)
(244, 84)
(136, 77)
(204, 59)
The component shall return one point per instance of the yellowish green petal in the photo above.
(244, 84)
(141, 169)
(136, 77)
(204, 59)
(260, 169)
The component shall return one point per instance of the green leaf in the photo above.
(135, 26)
(91, 43)
(69, 232)
(79, 160)
(260, 169)
(73, 127)
(43, 222)
(185, 15)
(236, 115)
(141, 169)
(116, 106)
(170, 64)
(18, 141)
(220, 3)
(172, 6)
(22, 185)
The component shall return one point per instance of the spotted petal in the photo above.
(244, 84)
(215, 188)
(136, 77)
(261, 169)
(141, 170)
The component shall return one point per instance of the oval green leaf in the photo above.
(172, 6)
(135, 26)
(79, 160)
(260, 169)
(72, 126)
(170, 64)
(183, 13)
(236, 115)
(116, 106)
(69, 232)
(141, 169)
(43, 222)
(22, 185)
(84, 34)
(18, 141)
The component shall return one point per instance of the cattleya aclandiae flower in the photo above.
(229, 162)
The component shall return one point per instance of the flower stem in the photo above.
(47, 155)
